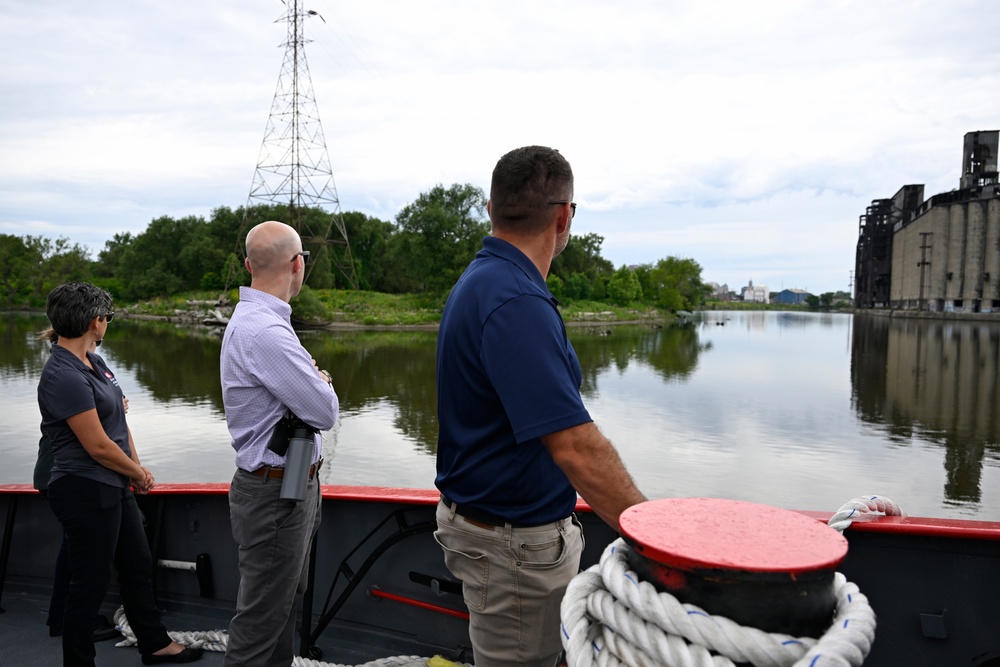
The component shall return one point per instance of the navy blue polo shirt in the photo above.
(506, 375)
(67, 387)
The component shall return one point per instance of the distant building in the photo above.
(720, 292)
(939, 254)
(756, 293)
(792, 297)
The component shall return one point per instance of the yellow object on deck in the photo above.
(438, 661)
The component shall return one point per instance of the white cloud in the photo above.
(748, 136)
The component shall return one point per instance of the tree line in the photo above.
(424, 250)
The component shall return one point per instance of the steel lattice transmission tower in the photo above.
(293, 167)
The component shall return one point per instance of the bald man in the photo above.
(266, 374)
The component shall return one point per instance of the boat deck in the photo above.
(25, 637)
(380, 587)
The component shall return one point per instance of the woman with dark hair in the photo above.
(94, 465)
(60, 579)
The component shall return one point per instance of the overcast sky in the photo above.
(748, 136)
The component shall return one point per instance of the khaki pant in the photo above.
(513, 580)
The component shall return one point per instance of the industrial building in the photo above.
(792, 297)
(942, 254)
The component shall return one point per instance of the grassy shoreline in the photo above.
(344, 309)
(360, 310)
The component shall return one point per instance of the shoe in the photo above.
(105, 632)
(187, 655)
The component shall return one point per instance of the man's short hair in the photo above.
(524, 181)
(71, 308)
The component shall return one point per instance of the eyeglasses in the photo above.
(109, 316)
(572, 206)
(304, 255)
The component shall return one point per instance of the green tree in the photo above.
(62, 261)
(438, 235)
(30, 266)
(677, 284)
(556, 286)
(109, 259)
(17, 263)
(582, 255)
(370, 239)
(644, 273)
(577, 287)
(623, 287)
(170, 256)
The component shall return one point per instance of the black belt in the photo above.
(482, 516)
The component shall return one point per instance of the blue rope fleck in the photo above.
(634, 582)
(791, 641)
(849, 598)
(852, 513)
(562, 626)
(813, 663)
(698, 613)
(846, 621)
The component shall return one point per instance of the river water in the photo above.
(796, 410)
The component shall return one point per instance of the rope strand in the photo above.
(853, 510)
(611, 618)
(217, 640)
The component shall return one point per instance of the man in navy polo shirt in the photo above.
(516, 443)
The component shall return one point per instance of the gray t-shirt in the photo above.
(67, 387)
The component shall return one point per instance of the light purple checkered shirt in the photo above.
(266, 371)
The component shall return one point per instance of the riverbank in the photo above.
(336, 310)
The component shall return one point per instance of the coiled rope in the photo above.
(217, 640)
(611, 618)
(867, 505)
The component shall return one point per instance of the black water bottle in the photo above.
(298, 458)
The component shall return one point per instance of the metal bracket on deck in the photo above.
(404, 529)
(202, 567)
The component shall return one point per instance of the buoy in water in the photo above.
(760, 566)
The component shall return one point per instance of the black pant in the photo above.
(103, 528)
(60, 584)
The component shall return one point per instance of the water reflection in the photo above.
(398, 368)
(21, 354)
(935, 381)
(172, 363)
(671, 351)
(798, 410)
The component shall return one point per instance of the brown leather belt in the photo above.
(270, 472)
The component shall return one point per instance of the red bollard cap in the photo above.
(711, 533)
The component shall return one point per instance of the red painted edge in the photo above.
(917, 526)
(953, 528)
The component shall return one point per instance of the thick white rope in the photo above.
(854, 509)
(611, 618)
(217, 640)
